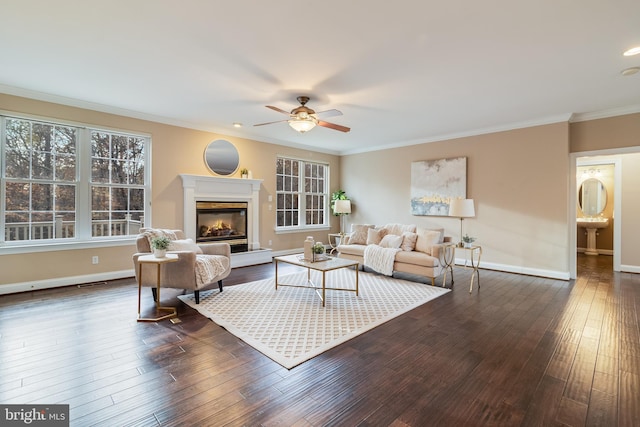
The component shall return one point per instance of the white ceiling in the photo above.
(401, 72)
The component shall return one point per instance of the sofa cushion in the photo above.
(391, 241)
(375, 235)
(408, 241)
(185, 245)
(357, 250)
(417, 258)
(426, 239)
(359, 234)
(398, 229)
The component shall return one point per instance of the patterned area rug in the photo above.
(290, 326)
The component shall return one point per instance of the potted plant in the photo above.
(244, 172)
(160, 245)
(337, 195)
(318, 249)
(468, 240)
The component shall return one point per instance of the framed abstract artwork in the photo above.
(435, 182)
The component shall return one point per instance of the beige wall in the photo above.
(518, 179)
(607, 133)
(614, 135)
(175, 150)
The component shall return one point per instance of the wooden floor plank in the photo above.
(520, 351)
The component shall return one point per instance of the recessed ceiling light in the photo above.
(237, 125)
(632, 51)
(630, 71)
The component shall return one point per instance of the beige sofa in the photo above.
(420, 251)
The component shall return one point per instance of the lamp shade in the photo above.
(462, 208)
(342, 206)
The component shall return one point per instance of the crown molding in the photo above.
(603, 114)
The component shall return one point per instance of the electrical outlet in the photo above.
(270, 242)
(95, 260)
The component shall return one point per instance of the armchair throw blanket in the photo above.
(380, 259)
(208, 267)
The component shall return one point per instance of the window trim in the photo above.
(302, 194)
(83, 238)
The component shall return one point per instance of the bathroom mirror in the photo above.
(221, 157)
(592, 197)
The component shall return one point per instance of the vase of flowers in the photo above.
(160, 245)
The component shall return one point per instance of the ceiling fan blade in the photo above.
(279, 110)
(329, 113)
(270, 123)
(333, 126)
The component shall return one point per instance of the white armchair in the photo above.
(199, 267)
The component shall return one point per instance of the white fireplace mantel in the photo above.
(213, 188)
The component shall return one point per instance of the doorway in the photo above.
(611, 157)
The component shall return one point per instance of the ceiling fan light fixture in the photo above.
(630, 71)
(303, 125)
(632, 51)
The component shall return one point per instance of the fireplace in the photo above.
(198, 188)
(222, 222)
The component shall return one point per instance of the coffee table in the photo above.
(332, 263)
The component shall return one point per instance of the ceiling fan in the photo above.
(304, 119)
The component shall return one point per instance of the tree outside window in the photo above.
(45, 196)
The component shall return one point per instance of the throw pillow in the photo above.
(375, 235)
(359, 233)
(391, 241)
(426, 239)
(185, 245)
(408, 241)
(152, 233)
(398, 229)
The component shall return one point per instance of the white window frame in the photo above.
(302, 225)
(83, 238)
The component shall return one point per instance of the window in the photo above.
(54, 190)
(301, 193)
(117, 183)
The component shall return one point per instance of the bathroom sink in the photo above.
(592, 222)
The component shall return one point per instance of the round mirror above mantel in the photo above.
(221, 157)
(592, 197)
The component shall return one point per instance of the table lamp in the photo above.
(461, 208)
(342, 207)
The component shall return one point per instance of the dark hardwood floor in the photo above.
(524, 351)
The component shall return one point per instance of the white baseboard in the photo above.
(259, 257)
(630, 268)
(14, 288)
(552, 274)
